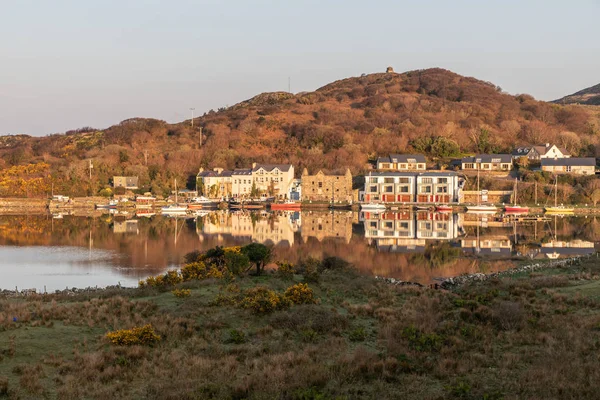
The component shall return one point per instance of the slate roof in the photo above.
(489, 158)
(402, 158)
(271, 167)
(568, 162)
(242, 171)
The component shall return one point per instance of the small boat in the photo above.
(558, 209)
(112, 205)
(340, 206)
(481, 208)
(199, 203)
(235, 205)
(174, 209)
(253, 205)
(372, 206)
(515, 208)
(287, 205)
(424, 208)
(443, 208)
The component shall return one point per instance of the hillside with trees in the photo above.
(347, 123)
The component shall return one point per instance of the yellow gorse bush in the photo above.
(181, 293)
(262, 300)
(300, 294)
(142, 335)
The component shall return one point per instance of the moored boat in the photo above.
(288, 205)
(515, 208)
(482, 209)
(558, 209)
(112, 205)
(372, 206)
(176, 208)
(443, 208)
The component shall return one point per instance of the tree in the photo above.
(444, 147)
(259, 254)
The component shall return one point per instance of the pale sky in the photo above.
(66, 64)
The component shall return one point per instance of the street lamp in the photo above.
(192, 110)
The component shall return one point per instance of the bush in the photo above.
(285, 271)
(3, 386)
(309, 267)
(143, 335)
(262, 300)
(300, 294)
(236, 337)
(358, 335)
(236, 262)
(182, 293)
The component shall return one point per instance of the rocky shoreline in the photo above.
(64, 292)
(455, 282)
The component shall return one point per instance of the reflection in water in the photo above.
(417, 246)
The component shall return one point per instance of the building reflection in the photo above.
(328, 225)
(407, 231)
(272, 228)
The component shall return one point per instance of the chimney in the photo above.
(218, 170)
(253, 165)
(547, 145)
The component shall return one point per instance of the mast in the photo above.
(176, 201)
(478, 191)
(515, 193)
(555, 190)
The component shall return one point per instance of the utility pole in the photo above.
(90, 168)
(535, 201)
(200, 137)
(146, 157)
(192, 110)
(289, 84)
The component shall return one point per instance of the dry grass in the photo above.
(529, 337)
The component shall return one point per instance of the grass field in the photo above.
(532, 336)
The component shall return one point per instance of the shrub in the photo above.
(182, 293)
(421, 341)
(300, 294)
(358, 334)
(309, 267)
(236, 337)
(262, 300)
(285, 271)
(143, 335)
(236, 262)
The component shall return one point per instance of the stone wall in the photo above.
(325, 188)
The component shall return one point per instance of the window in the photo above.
(404, 180)
(442, 180)
(442, 189)
(469, 166)
(372, 180)
(388, 180)
(373, 224)
(427, 180)
(568, 168)
(372, 188)
(402, 166)
(426, 189)
(388, 189)
(403, 189)
(320, 184)
(403, 225)
(388, 224)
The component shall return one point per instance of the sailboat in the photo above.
(515, 208)
(558, 209)
(481, 208)
(174, 208)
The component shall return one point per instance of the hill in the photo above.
(589, 96)
(343, 124)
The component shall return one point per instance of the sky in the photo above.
(67, 64)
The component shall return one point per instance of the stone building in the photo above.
(327, 188)
(321, 226)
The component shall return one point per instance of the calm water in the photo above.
(45, 251)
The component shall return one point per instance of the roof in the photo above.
(568, 162)
(242, 172)
(521, 151)
(207, 174)
(488, 158)
(403, 158)
(432, 173)
(542, 149)
(271, 167)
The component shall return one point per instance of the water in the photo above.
(38, 251)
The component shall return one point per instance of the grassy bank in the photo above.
(527, 336)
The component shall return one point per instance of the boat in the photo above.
(515, 208)
(253, 205)
(176, 208)
(112, 205)
(481, 208)
(199, 203)
(424, 208)
(558, 209)
(443, 208)
(287, 205)
(372, 207)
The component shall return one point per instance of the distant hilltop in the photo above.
(589, 96)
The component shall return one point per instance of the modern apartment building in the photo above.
(412, 187)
